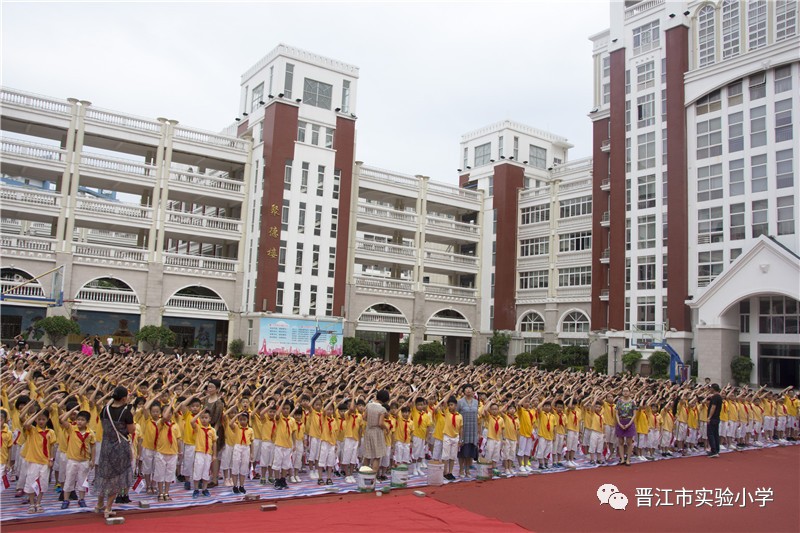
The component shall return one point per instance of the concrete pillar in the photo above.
(245, 211)
(392, 347)
(681, 342)
(616, 346)
(162, 191)
(75, 180)
(414, 340)
(715, 348)
(65, 185)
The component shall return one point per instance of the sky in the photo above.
(429, 71)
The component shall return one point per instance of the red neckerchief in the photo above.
(496, 425)
(560, 419)
(547, 415)
(419, 422)
(601, 419)
(405, 439)
(330, 425)
(575, 418)
(274, 427)
(244, 435)
(206, 430)
(169, 431)
(82, 437)
(454, 420)
(155, 439)
(355, 417)
(288, 428)
(44, 443)
(655, 420)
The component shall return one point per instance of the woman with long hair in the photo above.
(624, 414)
(114, 474)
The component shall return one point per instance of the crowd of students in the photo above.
(201, 421)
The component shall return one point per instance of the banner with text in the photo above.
(292, 336)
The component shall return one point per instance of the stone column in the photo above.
(715, 348)
(616, 345)
(75, 181)
(66, 178)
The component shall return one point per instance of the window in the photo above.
(709, 103)
(320, 180)
(664, 106)
(329, 137)
(315, 260)
(288, 80)
(285, 216)
(786, 215)
(271, 78)
(784, 174)
(317, 220)
(334, 221)
(627, 233)
(287, 174)
(304, 177)
(758, 173)
(756, 24)
(627, 82)
(607, 67)
(709, 138)
(606, 93)
(664, 230)
(516, 149)
(783, 120)
(312, 304)
(760, 218)
(301, 218)
(532, 323)
(647, 232)
(737, 222)
(627, 273)
(279, 297)
(646, 37)
(706, 36)
(500, 146)
(735, 93)
(538, 157)
(735, 252)
(315, 134)
(491, 189)
(778, 315)
(282, 257)
(258, 95)
(785, 19)
(709, 266)
(296, 299)
(645, 76)
(575, 276)
(709, 225)
(646, 110)
(709, 182)
(329, 301)
(575, 322)
(646, 153)
(575, 207)
(533, 279)
(346, 96)
(331, 262)
(736, 132)
(646, 272)
(575, 242)
(744, 316)
(482, 154)
(535, 213)
(298, 264)
(730, 28)
(663, 70)
(627, 115)
(783, 79)
(647, 191)
(537, 246)
(337, 179)
(466, 157)
(758, 86)
(646, 313)
(664, 271)
(301, 131)
(627, 154)
(758, 126)
(317, 93)
(628, 194)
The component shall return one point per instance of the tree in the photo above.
(575, 356)
(548, 355)
(525, 360)
(431, 353)
(741, 367)
(357, 348)
(601, 364)
(630, 359)
(58, 327)
(499, 344)
(403, 348)
(659, 361)
(491, 359)
(156, 336)
(236, 347)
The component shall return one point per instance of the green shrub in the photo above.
(156, 336)
(575, 356)
(58, 327)
(548, 355)
(357, 348)
(236, 347)
(491, 359)
(431, 353)
(499, 343)
(525, 359)
(741, 367)
(659, 361)
(601, 364)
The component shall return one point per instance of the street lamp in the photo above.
(616, 349)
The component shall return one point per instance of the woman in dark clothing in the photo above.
(114, 474)
(215, 407)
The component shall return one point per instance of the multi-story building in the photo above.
(695, 155)
(140, 221)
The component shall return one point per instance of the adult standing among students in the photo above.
(215, 407)
(468, 450)
(714, 408)
(624, 414)
(114, 474)
(374, 437)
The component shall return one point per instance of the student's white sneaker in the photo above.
(314, 474)
(296, 479)
(349, 479)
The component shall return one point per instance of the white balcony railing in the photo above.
(104, 116)
(207, 137)
(383, 284)
(26, 242)
(641, 7)
(197, 303)
(605, 185)
(110, 252)
(107, 296)
(385, 249)
(605, 145)
(12, 288)
(204, 221)
(386, 213)
(33, 197)
(216, 183)
(389, 177)
(15, 147)
(34, 101)
(452, 225)
(221, 264)
(448, 323)
(449, 290)
(449, 190)
(117, 209)
(118, 166)
(383, 318)
(457, 260)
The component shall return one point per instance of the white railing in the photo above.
(222, 264)
(449, 290)
(605, 145)
(525, 194)
(33, 150)
(207, 137)
(126, 121)
(575, 184)
(383, 284)
(197, 303)
(457, 323)
(389, 177)
(443, 188)
(204, 221)
(33, 197)
(453, 225)
(206, 180)
(455, 259)
(605, 184)
(394, 215)
(641, 7)
(110, 252)
(120, 166)
(12, 288)
(605, 218)
(35, 101)
(384, 248)
(108, 296)
(105, 207)
(25, 242)
(604, 293)
(383, 318)
(583, 164)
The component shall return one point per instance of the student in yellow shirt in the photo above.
(610, 425)
(494, 425)
(327, 446)
(147, 417)
(6, 438)
(642, 424)
(508, 449)
(268, 429)
(167, 448)
(655, 428)
(314, 427)
(39, 454)
(561, 433)
(593, 423)
(402, 437)
(693, 424)
(526, 416)
(391, 424)
(352, 435)
(546, 425)
(205, 451)
(299, 446)
(241, 447)
(186, 412)
(80, 454)
(682, 424)
(451, 436)
(573, 420)
(422, 421)
(283, 441)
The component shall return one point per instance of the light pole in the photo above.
(616, 349)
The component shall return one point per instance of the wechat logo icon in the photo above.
(610, 494)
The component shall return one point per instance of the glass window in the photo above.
(735, 93)
(533, 279)
(758, 126)
(646, 272)
(756, 24)
(334, 221)
(647, 191)
(784, 175)
(318, 220)
(709, 225)
(516, 149)
(737, 222)
(646, 37)
(287, 174)
(575, 276)
(346, 96)
(646, 153)
(288, 80)
(301, 131)
(532, 322)
(536, 246)
(317, 93)
(709, 138)
(709, 103)
(575, 322)
(258, 95)
(574, 207)
(575, 242)
(329, 301)
(709, 182)
(758, 85)
(607, 66)
(647, 231)
(298, 265)
(736, 132)
(778, 315)
(329, 137)
(535, 213)
(786, 215)
(760, 218)
(783, 79)
(705, 36)
(315, 134)
(337, 179)
(783, 120)
(646, 110)
(500, 146)
(304, 177)
(785, 19)
(709, 266)
(645, 75)
(730, 28)
(279, 297)
(538, 157)
(758, 173)
(483, 154)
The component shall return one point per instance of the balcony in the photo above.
(450, 195)
(26, 291)
(536, 295)
(199, 224)
(209, 184)
(391, 322)
(28, 247)
(383, 216)
(383, 285)
(605, 185)
(385, 253)
(117, 170)
(604, 295)
(605, 219)
(210, 143)
(108, 296)
(28, 154)
(449, 293)
(450, 262)
(196, 306)
(105, 254)
(29, 204)
(114, 213)
(389, 182)
(605, 256)
(448, 327)
(29, 107)
(451, 229)
(199, 265)
(605, 145)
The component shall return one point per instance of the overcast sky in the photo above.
(429, 71)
